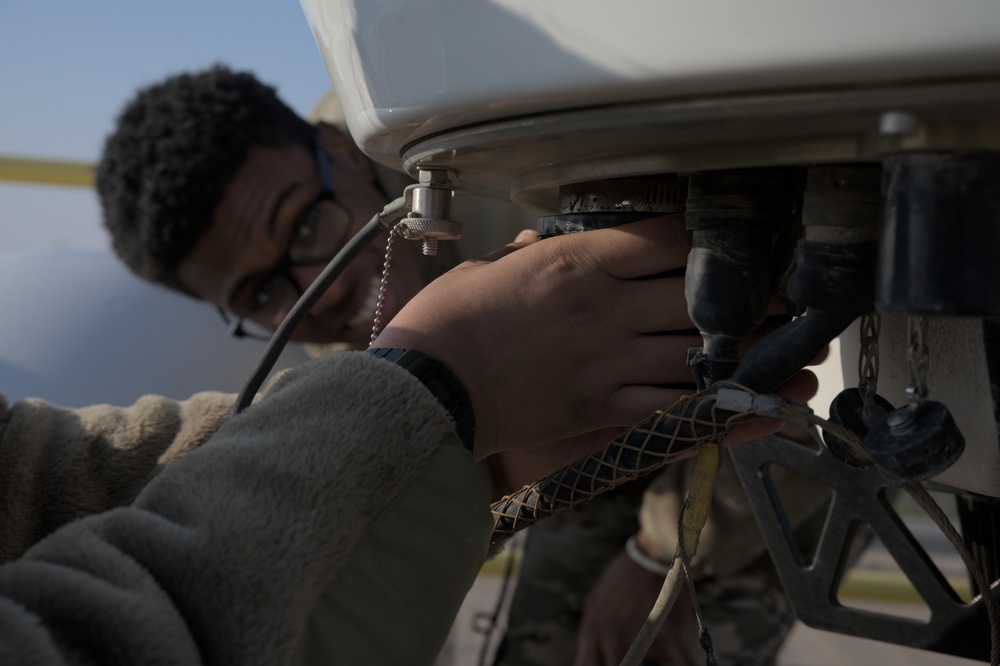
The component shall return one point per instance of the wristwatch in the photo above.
(436, 376)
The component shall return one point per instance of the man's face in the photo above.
(273, 207)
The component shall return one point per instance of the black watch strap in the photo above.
(436, 376)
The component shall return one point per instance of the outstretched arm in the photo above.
(58, 464)
(342, 506)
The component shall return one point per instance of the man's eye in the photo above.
(305, 233)
(262, 297)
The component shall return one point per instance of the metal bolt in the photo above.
(432, 176)
(901, 420)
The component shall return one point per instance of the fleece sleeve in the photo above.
(248, 549)
(60, 464)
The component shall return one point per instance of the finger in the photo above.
(776, 307)
(800, 388)
(648, 247)
(633, 404)
(654, 360)
(820, 357)
(653, 306)
(526, 236)
(752, 430)
(501, 252)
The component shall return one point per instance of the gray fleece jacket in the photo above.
(338, 520)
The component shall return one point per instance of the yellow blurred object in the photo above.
(46, 172)
(706, 469)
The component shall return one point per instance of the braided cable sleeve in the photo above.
(661, 439)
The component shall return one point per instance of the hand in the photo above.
(559, 338)
(615, 610)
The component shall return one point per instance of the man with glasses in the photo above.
(212, 186)
(318, 234)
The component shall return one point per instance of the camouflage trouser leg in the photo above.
(747, 613)
(563, 557)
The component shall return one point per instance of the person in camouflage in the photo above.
(580, 599)
(564, 555)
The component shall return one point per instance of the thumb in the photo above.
(526, 236)
(524, 239)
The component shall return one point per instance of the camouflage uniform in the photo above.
(563, 556)
(744, 606)
(748, 615)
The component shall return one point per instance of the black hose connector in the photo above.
(834, 275)
(733, 217)
(834, 281)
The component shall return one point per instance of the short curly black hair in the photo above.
(176, 146)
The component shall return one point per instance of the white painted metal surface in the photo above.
(406, 69)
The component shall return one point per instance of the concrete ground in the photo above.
(805, 646)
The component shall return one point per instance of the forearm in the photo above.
(57, 464)
(228, 551)
(395, 598)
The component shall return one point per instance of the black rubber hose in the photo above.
(301, 308)
(835, 282)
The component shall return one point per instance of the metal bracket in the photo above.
(859, 497)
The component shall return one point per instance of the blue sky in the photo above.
(67, 67)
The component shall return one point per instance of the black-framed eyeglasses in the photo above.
(320, 232)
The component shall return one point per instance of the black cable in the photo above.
(298, 312)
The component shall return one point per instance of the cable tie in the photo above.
(768, 405)
(734, 400)
(740, 401)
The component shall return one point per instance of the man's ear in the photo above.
(339, 143)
